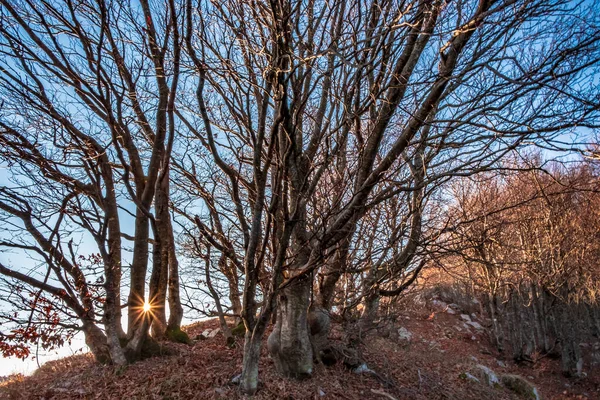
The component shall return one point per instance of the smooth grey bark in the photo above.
(160, 256)
(175, 307)
(289, 344)
(249, 379)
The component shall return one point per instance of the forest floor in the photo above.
(430, 365)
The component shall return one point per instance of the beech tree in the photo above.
(301, 127)
(87, 128)
(521, 242)
(312, 114)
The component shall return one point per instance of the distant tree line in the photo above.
(526, 246)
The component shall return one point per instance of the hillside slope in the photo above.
(426, 354)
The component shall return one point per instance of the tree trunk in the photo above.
(111, 323)
(96, 340)
(540, 318)
(229, 270)
(289, 344)
(160, 256)
(571, 360)
(133, 350)
(249, 379)
(334, 272)
(215, 295)
(175, 308)
(319, 324)
(139, 266)
(594, 319)
(158, 289)
(369, 314)
(496, 318)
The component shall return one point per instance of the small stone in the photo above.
(473, 338)
(321, 392)
(475, 325)
(362, 369)
(468, 377)
(440, 305)
(214, 333)
(501, 363)
(465, 317)
(206, 333)
(404, 334)
(487, 375)
(450, 311)
(236, 379)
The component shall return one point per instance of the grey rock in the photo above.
(363, 369)
(440, 305)
(468, 377)
(486, 375)
(475, 325)
(404, 334)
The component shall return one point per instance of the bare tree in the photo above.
(296, 99)
(88, 120)
(301, 126)
(522, 242)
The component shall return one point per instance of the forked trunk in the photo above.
(133, 350)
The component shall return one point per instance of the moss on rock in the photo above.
(239, 330)
(177, 336)
(520, 386)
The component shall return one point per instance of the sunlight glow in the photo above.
(147, 307)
